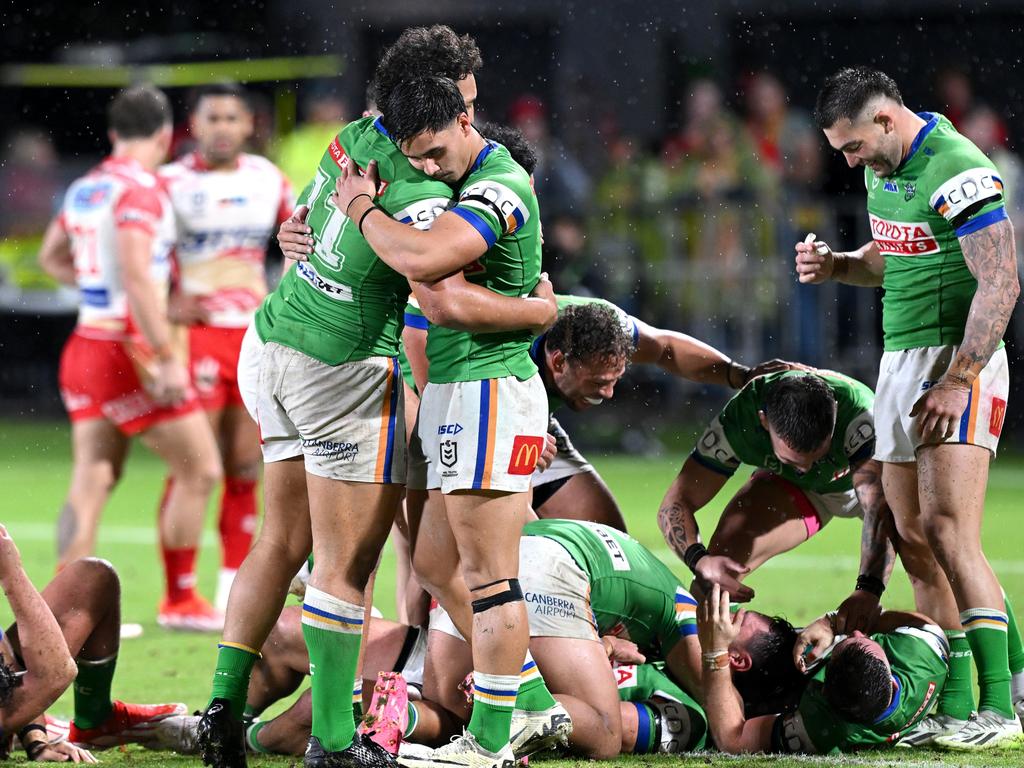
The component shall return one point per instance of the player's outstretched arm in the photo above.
(456, 303)
(732, 732)
(55, 255)
(421, 255)
(816, 263)
(49, 668)
(877, 550)
(687, 357)
(693, 488)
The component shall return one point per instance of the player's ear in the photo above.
(740, 661)
(558, 361)
(763, 419)
(885, 121)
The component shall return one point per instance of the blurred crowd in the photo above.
(692, 231)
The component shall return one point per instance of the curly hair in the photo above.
(801, 409)
(514, 141)
(592, 331)
(419, 51)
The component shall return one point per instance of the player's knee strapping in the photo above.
(510, 595)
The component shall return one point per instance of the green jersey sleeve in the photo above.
(495, 203)
(968, 191)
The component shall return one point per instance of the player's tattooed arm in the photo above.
(877, 546)
(693, 488)
(991, 255)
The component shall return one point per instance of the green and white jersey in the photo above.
(632, 593)
(919, 662)
(629, 325)
(944, 189)
(736, 436)
(344, 303)
(497, 199)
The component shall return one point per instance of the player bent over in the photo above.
(870, 689)
(67, 635)
(120, 372)
(943, 249)
(227, 204)
(486, 383)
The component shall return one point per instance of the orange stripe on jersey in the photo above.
(973, 418)
(492, 428)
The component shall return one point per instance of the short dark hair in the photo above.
(801, 409)
(591, 331)
(846, 93)
(514, 141)
(773, 679)
(428, 103)
(9, 680)
(419, 51)
(226, 88)
(138, 112)
(858, 684)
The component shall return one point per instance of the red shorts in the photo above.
(213, 359)
(98, 381)
(811, 517)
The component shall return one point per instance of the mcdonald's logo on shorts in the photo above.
(995, 420)
(525, 452)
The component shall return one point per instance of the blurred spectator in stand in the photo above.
(956, 100)
(299, 152)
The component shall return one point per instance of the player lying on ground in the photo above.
(67, 635)
(944, 250)
(226, 204)
(122, 371)
(864, 691)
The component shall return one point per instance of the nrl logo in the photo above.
(449, 452)
(909, 190)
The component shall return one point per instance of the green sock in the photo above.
(494, 698)
(534, 695)
(986, 632)
(249, 715)
(1014, 645)
(414, 719)
(92, 691)
(252, 739)
(957, 697)
(231, 677)
(332, 629)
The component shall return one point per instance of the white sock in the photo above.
(1017, 686)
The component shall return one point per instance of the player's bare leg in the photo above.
(411, 599)
(584, 496)
(951, 490)
(759, 522)
(188, 448)
(98, 450)
(436, 563)
(240, 448)
(578, 673)
(350, 522)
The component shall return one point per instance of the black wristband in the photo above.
(29, 729)
(361, 194)
(693, 554)
(871, 584)
(369, 210)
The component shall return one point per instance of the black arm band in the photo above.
(693, 554)
(871, 584)
(368, 211)
(361, 194)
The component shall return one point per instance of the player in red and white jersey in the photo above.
(121, 373)
(227, 203)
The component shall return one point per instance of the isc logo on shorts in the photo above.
(525, 453)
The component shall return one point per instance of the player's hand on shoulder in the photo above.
(712, 570)
(186, 310)
(10, 557)
(295, 237)
(353, 182)
(775, 365)
(548, 454)
(857, 613)
(812, 642)
(939, 409)
(622, 651)
(814, 261)
(171, 382)
(545, 291)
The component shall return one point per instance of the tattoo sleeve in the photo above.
(877, 548)
(991, 256)
(670, 520)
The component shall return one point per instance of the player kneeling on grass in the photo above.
(864, 691)
(68, 634)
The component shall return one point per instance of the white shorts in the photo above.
(555, 589)
(479, 435)
(348, 419)
(905, 375)
(568, 460)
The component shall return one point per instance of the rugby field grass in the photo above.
(161, 666)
